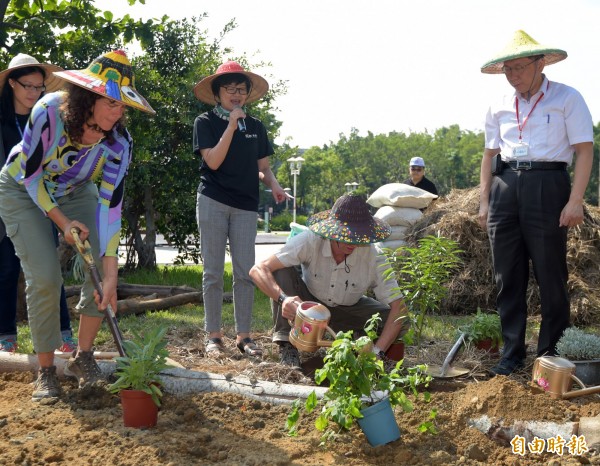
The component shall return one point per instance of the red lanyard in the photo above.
(528, 115)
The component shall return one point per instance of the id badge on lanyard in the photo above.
(521, 150)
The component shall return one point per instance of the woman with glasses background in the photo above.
(234, 148)
(22, 84)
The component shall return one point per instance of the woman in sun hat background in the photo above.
(527, 202)
(339, 263)
(234, 148)
(22, 84)
(71, 139)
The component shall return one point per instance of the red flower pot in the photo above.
(396, 351)
(138, 409)
(487, 345)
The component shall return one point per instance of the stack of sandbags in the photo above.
(400, 206)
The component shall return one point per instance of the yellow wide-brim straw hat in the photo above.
(203, 89)
(23, 60)
(522, 45)
(109, 75)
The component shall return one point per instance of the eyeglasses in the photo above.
(416, 169)
(31, 87)
(234, 90)
(518, 68)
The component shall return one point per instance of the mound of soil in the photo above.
(86, 427)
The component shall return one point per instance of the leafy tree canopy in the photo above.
(68, 33)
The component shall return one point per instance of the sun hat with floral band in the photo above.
(109, 75)
(522, 45)
(349, 221)
(23, 60)
(203, 89)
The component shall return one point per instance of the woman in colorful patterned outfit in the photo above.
(71, 139)
(234, 148)
(21, 86)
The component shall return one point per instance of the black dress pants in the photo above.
(523, 225)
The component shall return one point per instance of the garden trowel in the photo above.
(446, 370)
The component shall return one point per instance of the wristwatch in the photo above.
(378, 351)
(281, 298)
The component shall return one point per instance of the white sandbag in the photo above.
(401, 195)
(398, 232)
(398, 216)
(393, 245)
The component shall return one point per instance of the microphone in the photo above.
(241, 123)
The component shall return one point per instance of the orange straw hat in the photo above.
(23, 60)
(203, 90)
(522, 45)
(109, 75)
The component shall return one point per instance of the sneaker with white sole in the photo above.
(46, 385)
(69, 345)
(84, 368)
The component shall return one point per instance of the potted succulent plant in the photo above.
(138, 377)
(484, 331)
(583, 349)
(360, 389)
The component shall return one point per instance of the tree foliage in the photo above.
(163, 180)
(67, 33)
(452, 156)
(161, 186)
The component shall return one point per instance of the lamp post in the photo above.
(295, 165)
(351, 186)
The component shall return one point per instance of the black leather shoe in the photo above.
(506, 367)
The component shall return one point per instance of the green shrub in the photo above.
(358, 379)
(282, 221)
(422, 273)
(484, 326)
(145, 356)
(578, 345)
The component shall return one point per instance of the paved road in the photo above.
(266, 245)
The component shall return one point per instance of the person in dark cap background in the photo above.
(527, 202)
(339, 262)
(417, 176)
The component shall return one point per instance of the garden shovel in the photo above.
(445, 370)
(85, 250)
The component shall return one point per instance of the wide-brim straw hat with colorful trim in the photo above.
(110, 75)
(523, 45)
(203, 89)
(349, 221)
(23, 60)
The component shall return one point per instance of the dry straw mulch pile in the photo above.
(455, 216)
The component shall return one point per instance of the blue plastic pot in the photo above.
(379, 424)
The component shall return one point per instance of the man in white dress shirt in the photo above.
(527, 202)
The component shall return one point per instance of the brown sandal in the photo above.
(249, 347)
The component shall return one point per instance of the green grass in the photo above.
(189, 319)
(186, 320)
